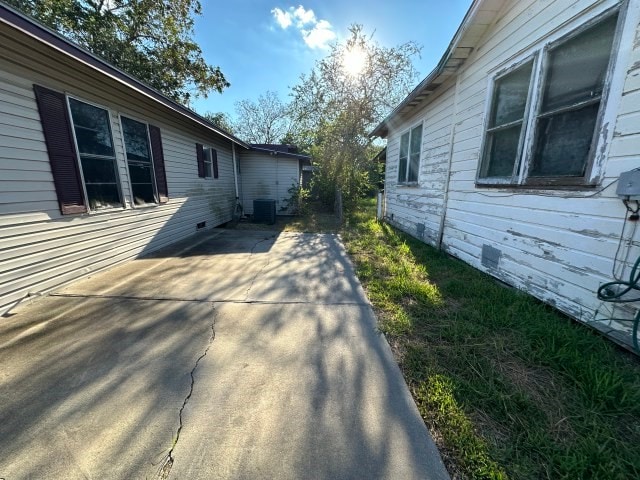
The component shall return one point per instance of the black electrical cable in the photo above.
(615, 258)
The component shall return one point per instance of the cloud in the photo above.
(282, 18)
(320, 35)
(304, 16)
(315, 33)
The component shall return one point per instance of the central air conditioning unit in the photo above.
(264, 211)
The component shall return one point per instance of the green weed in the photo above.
(509, 386)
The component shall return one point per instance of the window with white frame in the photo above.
(92, 130)
(139, 161)
(544, 115)
(409, 159)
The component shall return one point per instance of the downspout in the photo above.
(235, 169)
(452, 137)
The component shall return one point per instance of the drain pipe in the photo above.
(235, 169)
(452, 137)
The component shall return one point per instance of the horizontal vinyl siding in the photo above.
(26, 182)
(267, 177)
(40, 248)
(556, 245)
(288, 177)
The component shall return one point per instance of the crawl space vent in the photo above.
(490, 256)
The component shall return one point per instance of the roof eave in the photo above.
(454, 57)
(54, 40)
(278, 153)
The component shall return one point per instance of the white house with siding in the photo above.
(508, 154)
(270, 172)
(95, 167)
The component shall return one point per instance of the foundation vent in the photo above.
(490, 256)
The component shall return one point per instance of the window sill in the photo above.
(110, 209)
(408, 185)
(100, 211)
(558, 191)
(143, 206)
(536, 187)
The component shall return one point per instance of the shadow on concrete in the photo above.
(335, 408)
(306, 389)
(39, 257)
(91, 387)
(298, 382)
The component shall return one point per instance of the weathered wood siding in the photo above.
(265, 176)
(40, 248)
(410, 207)
(557, 245)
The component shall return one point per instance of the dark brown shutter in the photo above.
(214, 161)
(158, 164)
(200, 156)
(58, 136)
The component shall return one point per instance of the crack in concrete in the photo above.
(167, 462)
(255, 277)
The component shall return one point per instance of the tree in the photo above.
(343, 98)
(149, 39)
(266, 121)
(221, 120)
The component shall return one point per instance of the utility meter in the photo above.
(629, 190)
(629, 185)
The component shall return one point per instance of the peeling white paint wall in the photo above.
(558, 245)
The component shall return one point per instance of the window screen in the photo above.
(208, 163)
(95, 145)
(573, 87)
(564, 94)
(409, 158)
(414, 156)
(506, 122)
(404, 155)
(136, 141)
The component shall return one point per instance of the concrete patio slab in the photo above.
(247, 266)
(91, 388)
(236, 355)
(301, 392)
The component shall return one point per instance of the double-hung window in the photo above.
(92, 130)
(409, 159)
(82, 155)
(208, 162)
(543, 120)
(506, 125)
(139, 160)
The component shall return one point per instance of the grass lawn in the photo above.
(509, 387)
